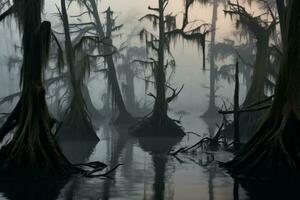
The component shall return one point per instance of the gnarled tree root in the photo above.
(152, 127)
(273, 153)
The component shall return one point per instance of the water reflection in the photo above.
(158, 148)
(148, 173)
(236, 187)
(28, 188)
(120, 138)
(75, 151)
(270, 190)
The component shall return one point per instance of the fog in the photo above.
(148, 166)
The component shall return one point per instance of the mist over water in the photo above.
(148, 171)
(187, 55)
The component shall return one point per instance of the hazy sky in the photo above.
(188, 58)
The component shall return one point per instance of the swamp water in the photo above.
(148, 172)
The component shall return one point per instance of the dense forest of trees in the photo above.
(266, 53)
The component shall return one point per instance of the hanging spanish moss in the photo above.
(32, 148)
(262, 32)
(108, 50)
(76, 124)
(158, 122)
(273, 153)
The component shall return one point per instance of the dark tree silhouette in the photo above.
(106, 33)
(32, 148)
(130, 70)
(261, 30)
(159, 148)
(124, 116)
(77, 119)
(212, 108)
(274, 151)
(159, 123)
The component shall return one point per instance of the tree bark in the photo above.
(33, 148)
(256, 92)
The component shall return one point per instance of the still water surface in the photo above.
(148, 173)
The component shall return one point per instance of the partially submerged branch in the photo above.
(245, 110)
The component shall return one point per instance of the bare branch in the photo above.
(153, 9)
(175, 93)
(79, 15)
(151, 95)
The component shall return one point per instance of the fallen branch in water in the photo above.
(178, 151)
(92, 174)
(190, 132)
(95, 164)
(244, 110)
(213, 142)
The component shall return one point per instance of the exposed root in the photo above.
(204, 144)
(273, 153)
(76, 127)
(150, 127)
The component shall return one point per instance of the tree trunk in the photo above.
(76, 120)
(129, 91)
(159, 123)
(236, 115)
(160, 105)
(93, 112)
(212, 109)
(256, 92)
(33, 148)
(273, 153)
(124, 116)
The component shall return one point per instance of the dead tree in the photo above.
(262, 30)
(32, 151)
(129, 69)
(212, 109)
(273, 153)
(108, 49)
(32, 148)
(124, 116)
(159, 122)
(280, 7)
(76, 117)
(236, 116)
